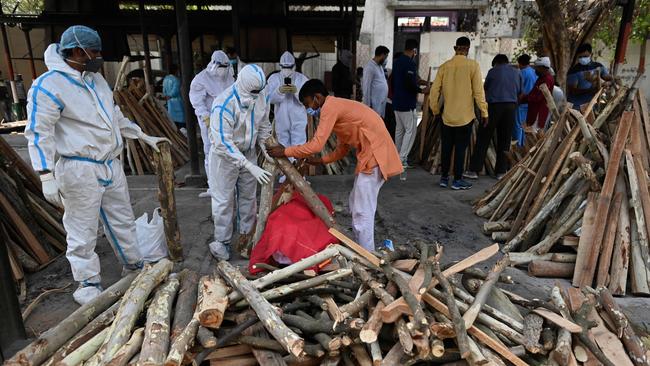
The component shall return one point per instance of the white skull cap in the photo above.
(543, 61)
(287, 59)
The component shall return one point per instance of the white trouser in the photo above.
(227, 184)
(405, 125)
(93, 190)
(291, 133)
(205, 136)
(363, 205)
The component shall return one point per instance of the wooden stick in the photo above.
(479, 335)
(370, 330)
(266, 200)
(130, 349)
(50, 341)
(265, 311)
(532, 332)
(605, 260)
(185, 303)
(156, 336)
(479, 300)
(635, 348)
(621, 254)
(206, 338)
(85, 351)
(459, 325)
(182, 343)
(409, 297)
(287, 271)
(293, 176)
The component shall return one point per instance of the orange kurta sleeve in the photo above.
(339, 153)
(316, 144)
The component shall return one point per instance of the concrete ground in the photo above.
(415, 208)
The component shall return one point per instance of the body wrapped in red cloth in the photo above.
(294, 231)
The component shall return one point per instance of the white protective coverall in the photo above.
(73, 115)
(375, 87)
(290, 114)
(238, 121)
(206, 86)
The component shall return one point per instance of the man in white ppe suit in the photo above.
(239, 120)
(290, 114)
(374, 84)
(71, 113)
(206, 86)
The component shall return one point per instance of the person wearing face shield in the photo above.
(207, 85)
(584, 77)
(290, 115)
(374, 84)
(239, 120)
(71, 113)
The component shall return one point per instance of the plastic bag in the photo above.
(151, 237)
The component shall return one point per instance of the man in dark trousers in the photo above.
(459, 84)
(341, 76)
(502, 85)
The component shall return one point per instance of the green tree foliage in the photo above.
(32, 7)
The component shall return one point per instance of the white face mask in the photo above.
(584, 60)
(286, 72)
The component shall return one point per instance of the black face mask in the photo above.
(94, 64)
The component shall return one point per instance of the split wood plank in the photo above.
(611, 346)
(584, 273)
(558, 320)
(354, 246)
(587, 231)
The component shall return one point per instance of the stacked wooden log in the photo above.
(335, 168)
(402, 310)
(30, 226)
(426, 148)
(143, 110)
(588, 176)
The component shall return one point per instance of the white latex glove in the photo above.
(51, 189)
(153, 141)
(262, 176)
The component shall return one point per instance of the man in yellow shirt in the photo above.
(459, 83)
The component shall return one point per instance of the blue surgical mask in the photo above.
(584, 60)
(313, 112)
(233, 61)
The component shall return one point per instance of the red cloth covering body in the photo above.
(293, 230)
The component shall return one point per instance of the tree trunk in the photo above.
(214, 301)
(85, 351)
(132, 305)
(156, 336)
(167, 198)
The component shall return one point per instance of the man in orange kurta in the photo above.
(355, 126)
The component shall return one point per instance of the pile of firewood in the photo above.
(426, 148)
(143, 110)
(589, 178)
(397, 309)
(30, 227)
